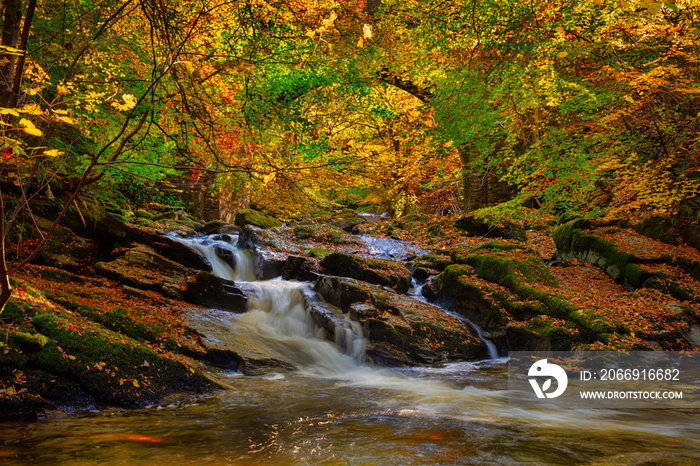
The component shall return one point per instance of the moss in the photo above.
(27, 341)
(318, 253)
(83, 360)
(433, 261)
(571, 242)
(256, 218)
(13, 310)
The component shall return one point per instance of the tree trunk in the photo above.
(19, 68)
(467, 178)
(235, 195)
(10, 34)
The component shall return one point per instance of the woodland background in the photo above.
(582, 109)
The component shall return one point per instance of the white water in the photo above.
(277, 319)
(416, 293)
(206, 246)
(334, 410)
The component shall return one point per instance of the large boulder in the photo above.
(230, 349)
(111, 229)
(474, 225)
(143, 268)
(378, 271)
(253, 217)
(401, 330)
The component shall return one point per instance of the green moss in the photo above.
(13, 310)
(27, 341)
(256, 218)
(318, 253)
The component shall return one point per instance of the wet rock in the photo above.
(226, 255)
(141, 267)
(378, 271)
(489, 228)
(255, 218)
(301, 268)
(111, 229)
(229, 349)
(209, 290)
(399, 328)
(211, 227)
(269, 250)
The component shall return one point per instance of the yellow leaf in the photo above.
(366, 31)
(11, 50)
(52, 153)
(299, 65)
(310, 34)
(360, 42)
(32, 109)
(136, 384)
(267, 178)
(129, 103)
(62, 90)
(562, 54)
(9, 111)
(629, 99)
(29, 128)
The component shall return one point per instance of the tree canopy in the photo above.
(587, 108)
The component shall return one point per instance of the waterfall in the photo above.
(277, 319)
(416, 293)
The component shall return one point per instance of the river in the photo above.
(334, 409)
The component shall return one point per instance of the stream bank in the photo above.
(104, 318)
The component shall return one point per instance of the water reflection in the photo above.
(452, 415)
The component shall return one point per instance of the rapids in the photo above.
(334, 409)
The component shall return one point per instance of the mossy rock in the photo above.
(141, 213)
(378, 271)
(256, 218)
(73, 360)
(418, 332)
(488, 227)
(211, 227)
(27, 341)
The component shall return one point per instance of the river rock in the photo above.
(113, 229)
(209, 290)
(401, 329)
(269, 253)
(141, 267)
(229, 349)
(255, 218)
(378, 271)
(490, 228)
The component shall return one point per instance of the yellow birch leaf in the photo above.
(136, 384)
(310, 34)
(9, 111)
(562, 54)
(52, 153)
(62, 90)
(32, 109)
(366, 31)
(29, 128)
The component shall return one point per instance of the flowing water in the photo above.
(336, 410)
